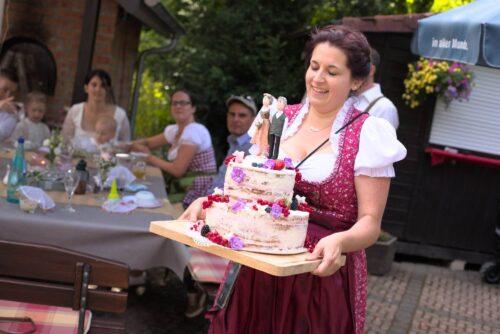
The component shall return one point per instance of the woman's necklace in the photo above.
(314, 129)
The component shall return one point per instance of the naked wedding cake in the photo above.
(256, 210)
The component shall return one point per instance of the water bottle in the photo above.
(17, 175)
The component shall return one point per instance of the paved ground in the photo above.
(413, 298)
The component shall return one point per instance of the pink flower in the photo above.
(238, 206)
(238, 175)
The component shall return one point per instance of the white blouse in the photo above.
(73, 126)
(34, 133)
(379, 147)
(194, 134)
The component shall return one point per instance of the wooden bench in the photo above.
(49, 275)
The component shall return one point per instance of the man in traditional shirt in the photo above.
(370, 96)
(241, 112)
(8, 108)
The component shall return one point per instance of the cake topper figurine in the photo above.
(261, 126)
(276, 128)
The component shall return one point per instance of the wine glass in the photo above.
(70, 183)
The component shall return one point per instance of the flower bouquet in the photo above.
(54, 145)
(449, 80)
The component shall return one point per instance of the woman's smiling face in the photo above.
(328, 79)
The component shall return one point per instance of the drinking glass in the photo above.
(70, 183)
(139, 170)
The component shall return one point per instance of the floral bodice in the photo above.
(335, 197)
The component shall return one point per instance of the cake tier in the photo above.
(258, 229)
(248, 183)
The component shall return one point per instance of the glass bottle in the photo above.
(82, 176)
(17, 175)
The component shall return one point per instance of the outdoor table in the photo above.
(120, 237)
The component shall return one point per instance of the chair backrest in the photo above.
(56, 276)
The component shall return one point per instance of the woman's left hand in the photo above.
(330, 250)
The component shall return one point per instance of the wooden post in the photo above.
(86, 52)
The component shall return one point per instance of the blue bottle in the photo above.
(17, 175)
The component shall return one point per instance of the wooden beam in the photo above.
(60, 295)
(86, 52)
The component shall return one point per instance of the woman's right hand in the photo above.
(194, 211)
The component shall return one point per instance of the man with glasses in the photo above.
(241, 111)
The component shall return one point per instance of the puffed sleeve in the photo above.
(195, 134)
(379, 148)
(123, 124)
(169, 133)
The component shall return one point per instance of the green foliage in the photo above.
(154, 109)
(234, 47)
(243, 47)
(444, 5)
(329, 11)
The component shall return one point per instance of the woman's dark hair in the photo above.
(106, 82)
(351, 42)
(10, 74)
(188, 93)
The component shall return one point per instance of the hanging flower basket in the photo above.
(448, 80)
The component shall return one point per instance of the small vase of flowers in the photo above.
(449, 80)
(54, 145)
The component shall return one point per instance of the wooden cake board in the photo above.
(276, 265)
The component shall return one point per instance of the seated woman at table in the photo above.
(190, 149)
(80, 123)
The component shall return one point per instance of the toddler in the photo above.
(105, 130)
(31, 127)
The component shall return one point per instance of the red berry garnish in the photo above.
(228, 159)
(279, 164)
(206, 204)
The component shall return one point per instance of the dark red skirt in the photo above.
(304, 303)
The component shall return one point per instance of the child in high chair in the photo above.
(31, 128)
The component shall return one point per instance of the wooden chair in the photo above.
(49, 275)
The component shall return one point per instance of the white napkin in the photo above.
(119, 206)
(37, 195)
(122, 175)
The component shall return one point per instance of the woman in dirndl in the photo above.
(190, 151)
(346, 182)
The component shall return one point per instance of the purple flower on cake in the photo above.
(276, 211)
(235, 243)
(238, 156)
(238, 206)
(238, 175)
(288, 163)
(269, 164)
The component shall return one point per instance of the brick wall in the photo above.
(116, 48)
(58, 24)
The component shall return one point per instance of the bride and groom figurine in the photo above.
(268, 126)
